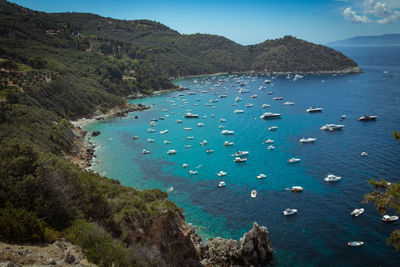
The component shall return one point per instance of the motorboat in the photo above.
(192, 172)
(237, 99)
(161, 118)
(254, 96)
(344, 116)
(288, 103)
(164, 132)
(271, 147)
(367, 118)
(332, 127)
(171, 152)
(144, 151)
(332, 178)
(288, 212)
(221, 127)
(238, 159)
(152, 124)
(355, 243)
(253, 193)
(190, 115)
(190, 137)
(207, 104)
(150, 140)
(249, 105)
(151, 130)
(387, 218)
(179, 121)
(265, 105)
(200, 124)
(269, 141)
(278, 98)
(241, 154)
(307, 140)
(170, 189)
(167, 142)
(227, 132)
(357, 212)
(269, 115)
(267, 81)
(221, 184)
(261, 176)
(221, 173)
(222, 96)
(213, 100)
(311, 110)
(293, 160)
(242, 91)
(222, 120)
(238, 111)
(187, 129)
(272, 128)
(188, 146)
(209, 151)
(296, 189)
(184, 165)
(135, 137)
(270, 93)
(204, 142)
(226, 143)
(364, 154)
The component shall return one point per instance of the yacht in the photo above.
(332, 127)
(222, 120)
(355, 243)
(221, 184)
(227, 132)
(226, 143)
(278, 98)
(269, 141)
(150, 140)
(249, 105)
(357, 212)
(367, 118)
(288, 103)
(332, 178)
(238, 159)
(261, 176)
(254, 96)
(272, 128)
(271, 147)
(253, 193)
(344, 116)
(187, 129)
(178, 121)
(171, 151)
(164, 132)
(167, 142)
(241, 154)
(307, 140)
(184, 165)
(238, 111)
(144, 151)
(387, 218)
(364, 154)
(293, 160)
(288, 212)
(221, 173)
(190, 115)
(311, 110)
(296, 189)
(192, 172)
(190, 137)
(265, 105)
(267, 81)
(269, 115)
(204, 142)
(200, 124)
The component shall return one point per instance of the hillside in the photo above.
(385, 39)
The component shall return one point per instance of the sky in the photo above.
(248, 21)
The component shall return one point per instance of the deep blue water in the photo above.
(318, 233)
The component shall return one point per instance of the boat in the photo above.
(344, 116)
(272, 128)
(221, 127)
(265, 105)
(192, 172)
(204, 142)
(207, 104)
(278, 98)
(227, 132)
(364, 154)
(355, 243)
(187, 129)
(296, 189)
(222, 96)
(209, 151)
(253, 193)
(170, 189)
(151, 130)
(190, 137)
(167, 142)
(144, 151)
(237, 99)
(152, 124)
(135, 137)
(267, 81)
(332, 178)
(249, 105)
(171, 151)
(254, 96)
(190, 115)
(164, 132)
(221, 184)
(270, 93)
(150, 140)
(271, 147)
(238, 111)
(269, 141)
(161, 118)
(332, 127)
(269, 115)
(238, 159)
(288, 103)
(367, 118)
(213, 100)
(288, 212)
(188, 146)
(200, 124)
(307, 140)
(357, 212)
(387, 218)
(241, 154)
(261, 176)
(311, 110)
(293, 160)
(242, 91)
(222, 120)
(221, 173)
(184, 165)
(226, 143)
(178, 121)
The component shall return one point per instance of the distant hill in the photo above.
(386, 39)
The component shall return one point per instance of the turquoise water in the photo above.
(318, 233)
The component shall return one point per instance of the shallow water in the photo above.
(318, 233)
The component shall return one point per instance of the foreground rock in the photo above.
(253, 249)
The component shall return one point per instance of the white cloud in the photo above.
(373, 11)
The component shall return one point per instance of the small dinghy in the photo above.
(364, 154)
(355, 243)
(288, 212)
(293, 160)
(261, 176)
(387, 218)
(221, 173)
(357, 212)
(184, 165)
(171, 152)
(192, 172)
(253, 193)
(221, 184)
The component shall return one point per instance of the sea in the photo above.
(318, 233)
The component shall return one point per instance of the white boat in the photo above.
(293, 160)
(222, 120)
(170, 189)
(221, 127)
(227, 132)
(265, 105)
(238, 159)
(221, 184)
(171, 151)
(237, 99)
(332, 178)
(144, 151)
(241, 153)
(269, 141)
(367, 118)
(188, 146)
(272, 128)
(332, 127)
(270, 93)
(344, 116)
(295, 189)
(249, 105)
(355, 243)
(311, 109)
(261, 176)
(204, 142)
(226, 143)
(209, 151)
(190, 115)
(271, 147)
(387, 218)
(222, 96)
(357, 212)
(288, 103)
(221, 173)
(200, 124)
(164, 132)
(364, 154)
(135, 137)
(190, 137)
(151, 130)
(288, 212)
(238, 111)
(152, 124)
(254, 96)
(253, 193)
(242, 91)
(150, 140)
(184, 165)
(167, 142)
(192, 172)
(307, 140)
(267, 81)
(278, 98)
(187, 129)
(269, 115)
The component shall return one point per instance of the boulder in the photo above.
(69, 258)
(95, 133)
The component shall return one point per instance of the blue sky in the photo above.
(251, 21)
